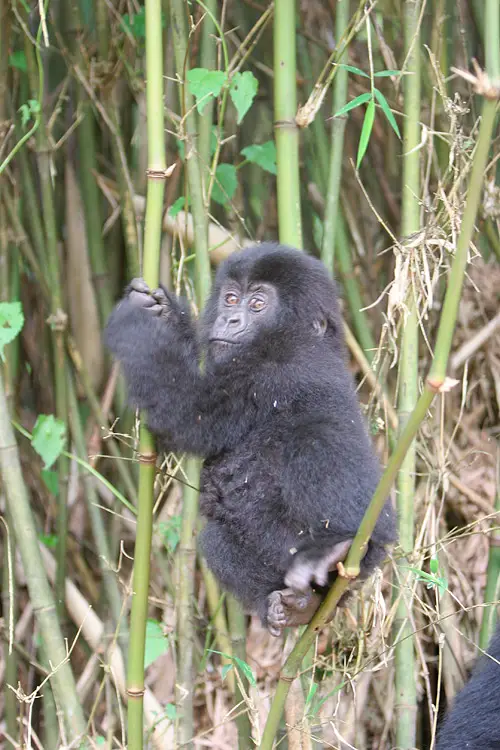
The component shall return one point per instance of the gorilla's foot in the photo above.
(287, 608)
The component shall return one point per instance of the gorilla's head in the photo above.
(267, 302)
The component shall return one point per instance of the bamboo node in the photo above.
(438, 385)
(349, 574)
(136, 692)
(285, 125)
(147, 458)
(58, 320)
(160, 174)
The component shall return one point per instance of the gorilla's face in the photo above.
(245, 313)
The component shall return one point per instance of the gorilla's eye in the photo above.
(231, 298)
(257, 304)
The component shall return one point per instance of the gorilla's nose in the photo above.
(235, 321)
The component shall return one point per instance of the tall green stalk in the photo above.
(57, 317)
(337, 144)
(41, 598)
(147, 451)
(405, 676)
(187, 549)
(286, 130)
(435, 383)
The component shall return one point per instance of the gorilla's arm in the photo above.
(153, 337)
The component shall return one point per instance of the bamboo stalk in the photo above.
(147, 451)
(61, 680)
(187, 549)
(405, 668)
(337, 145)
(57, 319)
(237, 626)
(285, 127)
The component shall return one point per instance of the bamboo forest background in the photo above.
(362, 132)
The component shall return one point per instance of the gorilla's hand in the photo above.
(157, 302)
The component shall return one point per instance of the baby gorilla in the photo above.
(289, 469)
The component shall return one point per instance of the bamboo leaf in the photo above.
(226, 182)
(353, 69)
(156, 642)
(11, 323)
(242, 91)
(49, 437)
(388, 73)
(387, 111)
(263, 154)
(204, 85)
(361, 99)
(246, 669)
(366, 130)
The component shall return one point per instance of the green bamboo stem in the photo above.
(337, 145)
(435, 381)
(43, 158)
(26, 534)
(237, 627)
(286, 130)
(405, 676)
(491, 591)
(351, 289)
(187, 551)
(147, 452)
(112, 591)
(208, 60)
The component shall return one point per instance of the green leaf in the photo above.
(136, 24)
(171, 711)
(225, 670)
(32, 107)
(263, 154)
(246, 669)
(48, 439)
(18, 60)
(242, 91)
(353, 69)
(170, 532)
(366, 130)
(177, 206)
(51, 481)
(387, 111)
(434, 565)
(312, 692)
(317, 230)
(156, 642)
(225, 183)
(205, 84)
(386, 73)
(11, 323)
(361, 99)
(49, 540)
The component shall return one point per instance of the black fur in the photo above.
(474, 720)
(289, 469)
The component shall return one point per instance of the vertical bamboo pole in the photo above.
(187, 546)
(405, 677)
(152, 238)
(286, 130)
(337, 145)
